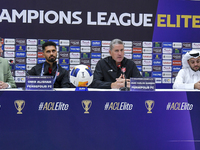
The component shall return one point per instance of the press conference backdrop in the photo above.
(156, 33)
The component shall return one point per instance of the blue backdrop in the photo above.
(116, 120)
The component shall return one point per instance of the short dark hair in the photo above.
(49, 43)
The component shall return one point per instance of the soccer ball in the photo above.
(81, 76)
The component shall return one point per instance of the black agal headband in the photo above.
(194, 54)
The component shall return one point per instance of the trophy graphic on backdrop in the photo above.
(19, 105)
(149, 105)
(86, 105)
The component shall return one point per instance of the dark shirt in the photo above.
(62, 80)
(106, 72)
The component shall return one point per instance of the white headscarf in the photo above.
(188, 55)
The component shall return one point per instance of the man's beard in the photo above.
(194, 69)
(51, 59)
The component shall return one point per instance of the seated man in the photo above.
(108, 71)
(50, 67)
(6, 78)
(189, 76)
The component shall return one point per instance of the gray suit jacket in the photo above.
(5, 73)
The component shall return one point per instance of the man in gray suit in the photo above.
(6, 78)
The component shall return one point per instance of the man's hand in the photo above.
(120, 82)
(197, 85)
(3, 85)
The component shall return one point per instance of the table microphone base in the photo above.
(124, 89)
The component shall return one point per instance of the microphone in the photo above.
(22, 70)
(119, 66)
(123, 70)
(11, 62)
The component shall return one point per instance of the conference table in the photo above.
(65, 119)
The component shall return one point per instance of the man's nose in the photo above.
(195, 63)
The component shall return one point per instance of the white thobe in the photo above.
(186, 78)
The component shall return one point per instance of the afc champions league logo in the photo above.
(19, 105)
(86, 105)
(149, 105)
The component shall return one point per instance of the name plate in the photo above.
(138, 84)
(39, 83)
(81, 89)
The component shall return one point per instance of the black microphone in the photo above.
(119, 66)
(123, 70)
(11, 61)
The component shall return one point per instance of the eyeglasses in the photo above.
(193, 61)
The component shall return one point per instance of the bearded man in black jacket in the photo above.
(108, 71)
(51, 68)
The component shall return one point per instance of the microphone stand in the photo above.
(125, 88)
(23, 70)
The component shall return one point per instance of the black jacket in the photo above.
(62, 80)
(106, 72)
